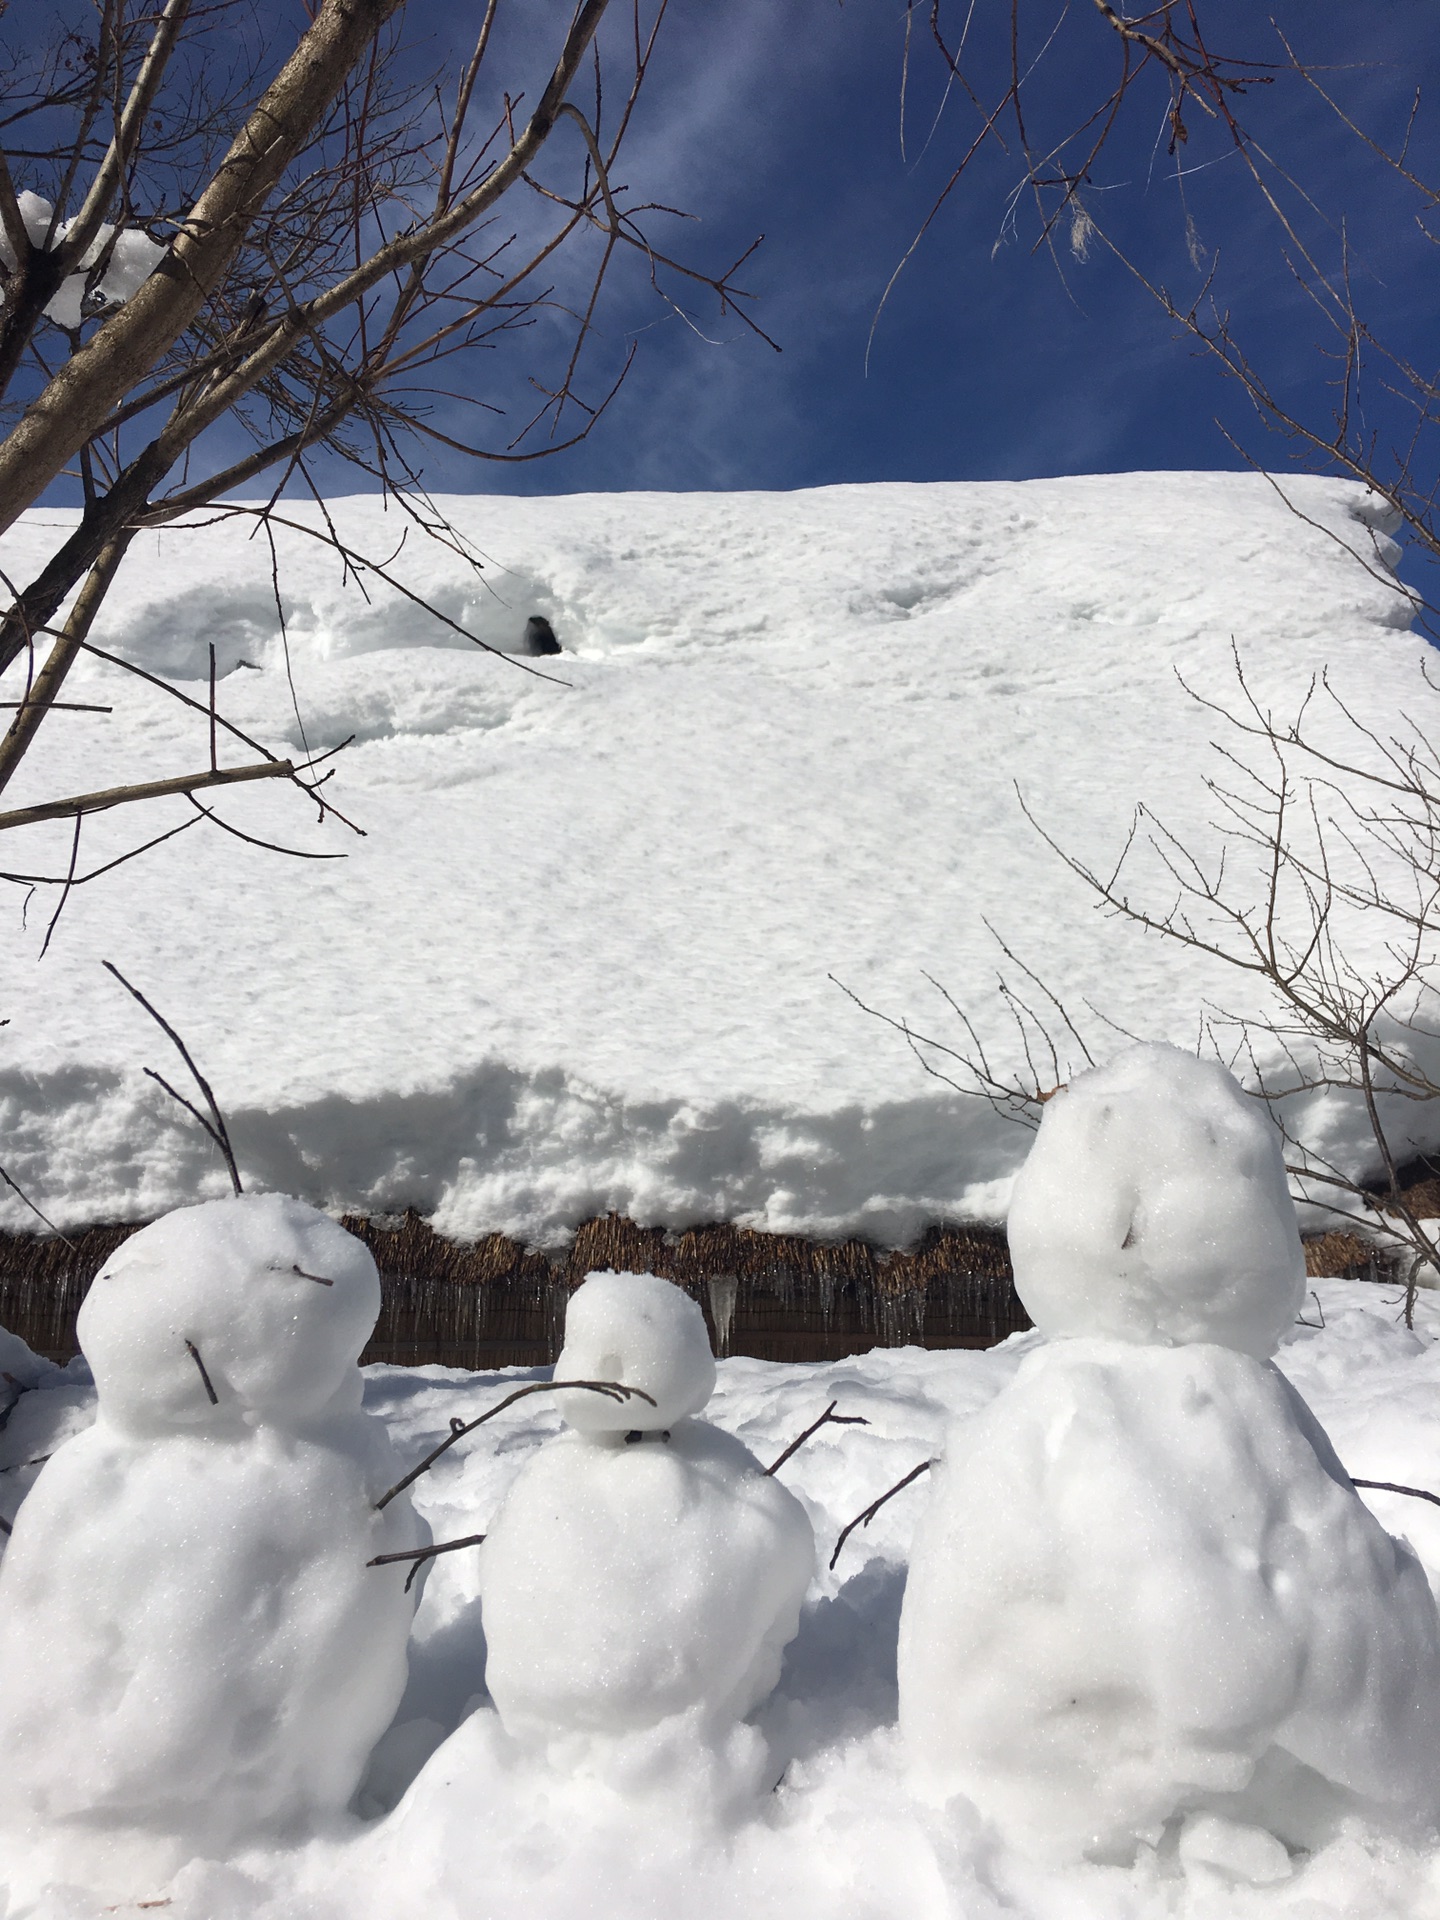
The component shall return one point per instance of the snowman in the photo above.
(644, 1571)
(1145, 1591)
(194, 1654)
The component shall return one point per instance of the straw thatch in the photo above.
(494, 1302)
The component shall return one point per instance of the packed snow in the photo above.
(194, 1654)
(1153, 1207)
(1137, 1646)
(640, 1586)
(1145, 1587)
(580, 960)
(639, 1329)
(481, 1827)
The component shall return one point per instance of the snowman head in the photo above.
(640, 1331)
(1153, 1207)
(268, 1296)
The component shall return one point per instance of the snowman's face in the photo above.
(639, 1331)
(1154, 1207)
(253, 1309)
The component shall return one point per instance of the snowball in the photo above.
(1238, 1855)
(194, 1653)
(1145, 1586)
(275, 1299)
(643, 1332)
(1153, 1207)
(623, 1585)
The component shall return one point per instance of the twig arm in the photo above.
(611, 1389)
(1389, 1486)
(864, 1519)
(421, 1554)
(828, 1418)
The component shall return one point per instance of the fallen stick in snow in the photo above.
(864, 1519)
(459, 1428)
(828, 1418)
(421, 1554)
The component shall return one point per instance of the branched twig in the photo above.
(828, 1418)
(611, 1389)
(215, 1126)
(421, 1554)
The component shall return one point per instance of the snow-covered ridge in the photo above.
(580, 960)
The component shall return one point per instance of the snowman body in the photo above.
(1145, 1586)
(643, 1569)
(192, 1647)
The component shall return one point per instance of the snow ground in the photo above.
(580, 960)
(482, 1833)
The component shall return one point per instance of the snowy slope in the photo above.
(580, 959)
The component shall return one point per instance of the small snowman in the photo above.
(644, 1570)
(194, 1655)
(1145, 1591)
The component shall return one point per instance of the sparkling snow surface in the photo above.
(1144, 1590)
(486, 1832)
(580, 960)
(195, 1654)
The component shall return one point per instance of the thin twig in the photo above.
(1389, 1486)
(218, 1132)
(828, 1418)
(864, 1519)
(611, 1389)
(194, 1353)
(16, 1188)
(421, 1554)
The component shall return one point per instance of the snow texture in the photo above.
(462, 1823)
(1153, 1207)
(580, 960)
(111, 269)
(638, 1330)
(194, 1655)
(1146, 1586)
(643, 1582)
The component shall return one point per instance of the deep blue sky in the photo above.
(783, 117)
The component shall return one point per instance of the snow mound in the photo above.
(643, 1332)
(1145, 1587)
(627, 1585)
(1153, 1207)
(580, 962)
(194, 1654)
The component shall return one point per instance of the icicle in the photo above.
(723, 1289)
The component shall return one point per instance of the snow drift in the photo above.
(580, 960)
